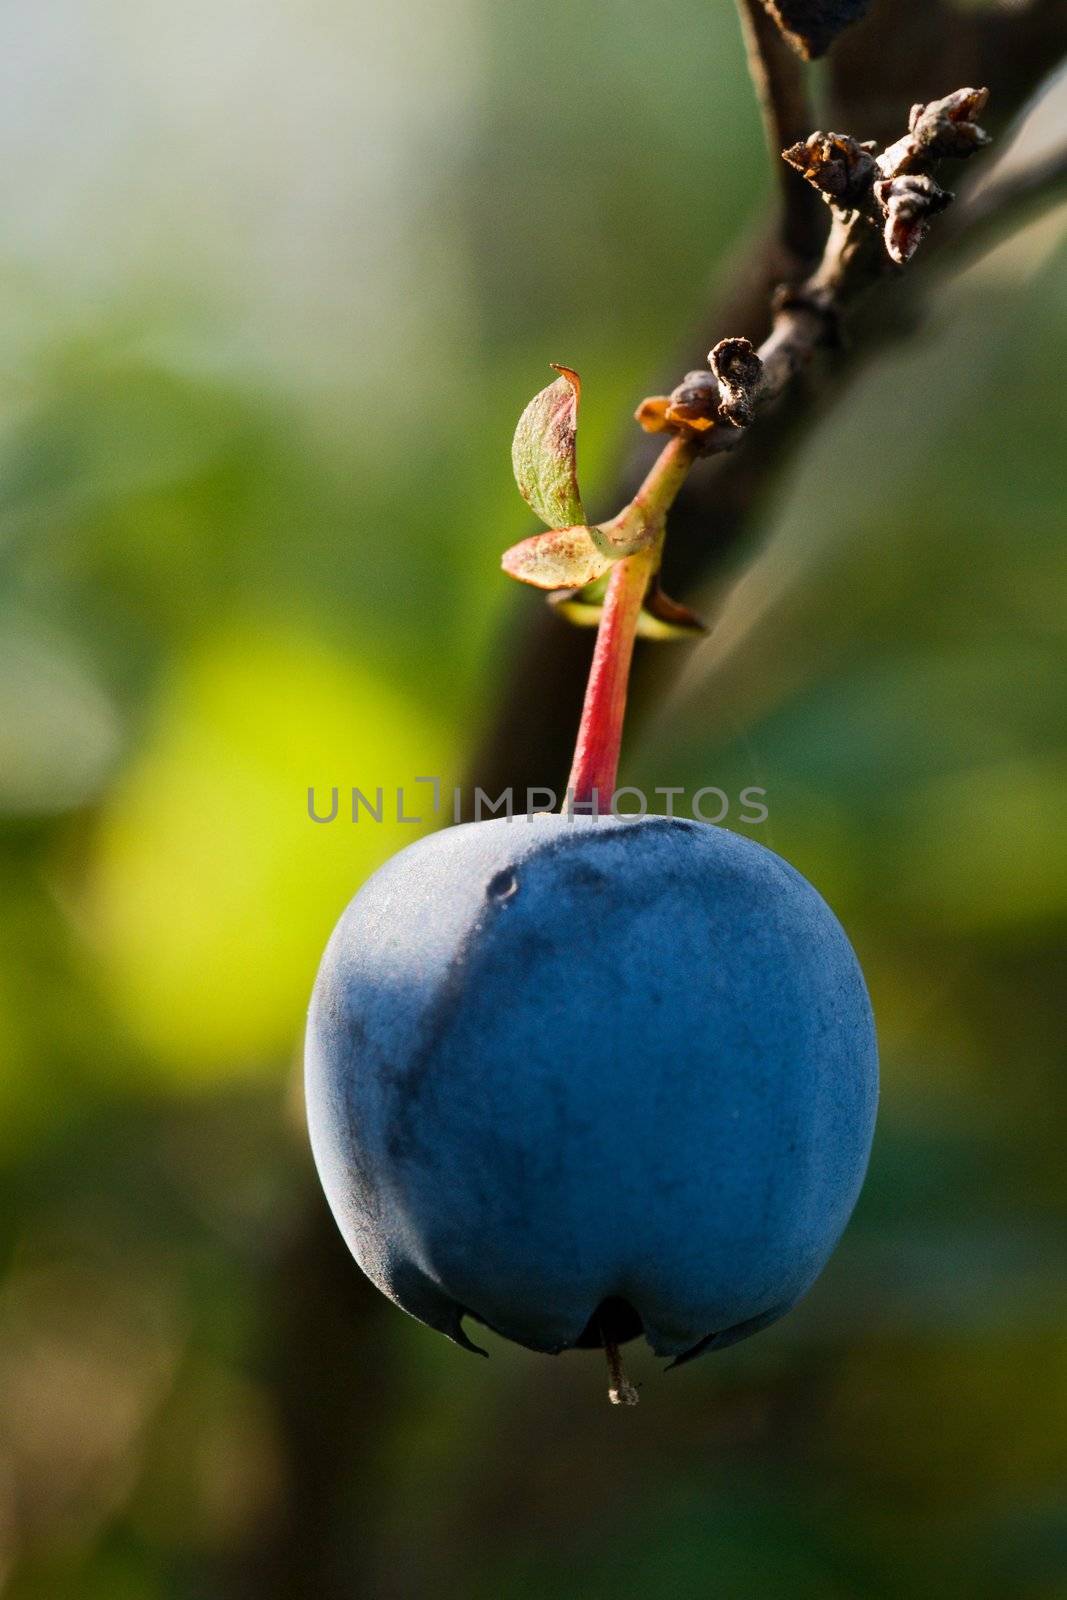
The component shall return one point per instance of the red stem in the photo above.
(596, 753)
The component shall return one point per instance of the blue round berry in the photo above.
(580, 1079)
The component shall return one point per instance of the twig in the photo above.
(893, 192)
(528, 740)
(778, 77)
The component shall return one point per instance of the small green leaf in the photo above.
(544, 453)
(660, 618)
(566, 558)
(577, 607)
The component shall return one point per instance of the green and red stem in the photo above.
(596, 752)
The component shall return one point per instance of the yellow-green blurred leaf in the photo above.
(213, 889)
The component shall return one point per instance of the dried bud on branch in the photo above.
(908, 203)
(894, 193)
(693, 407)
(695, 402)
(739, 371)
(943, 129)
(836, 164)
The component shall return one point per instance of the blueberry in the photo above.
(581, 1079)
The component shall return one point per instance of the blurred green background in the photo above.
(275, 281)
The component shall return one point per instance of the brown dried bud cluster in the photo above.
(908, 202)
(726, 394)
(893, 193)
(937, 131)
(695, 401)
(947, 127)
(895, 190)
(739, 371)
(836, 164)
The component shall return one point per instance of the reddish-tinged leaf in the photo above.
(544, 452)
(566, 558)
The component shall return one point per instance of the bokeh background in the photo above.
(275, 280)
